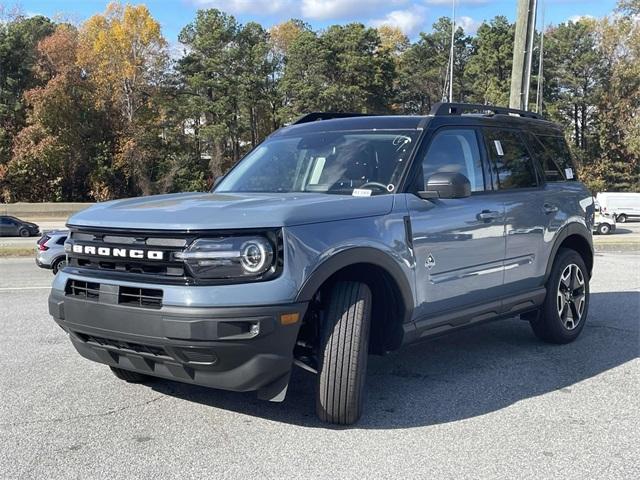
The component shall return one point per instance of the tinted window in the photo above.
(557, 156)
(455, 150)
(511, 160)
(61, 240)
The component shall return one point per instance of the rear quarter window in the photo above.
(555, 158)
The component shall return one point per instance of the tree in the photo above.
(489, 67)
(63, 127)
(18, 39)
(124, 54)
(424, 68)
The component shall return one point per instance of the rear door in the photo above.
(526, 213)
(458, 243)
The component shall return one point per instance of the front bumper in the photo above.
(237, 348)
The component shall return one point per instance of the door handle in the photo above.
(489, 215)
(548, 208)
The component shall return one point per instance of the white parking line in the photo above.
(8, 289)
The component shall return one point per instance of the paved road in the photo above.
(491, 402)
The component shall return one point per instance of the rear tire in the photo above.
(343, 354)
(129, 376)
(564, 312)
(622, 218)
(58, 264)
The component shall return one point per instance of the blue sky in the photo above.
(412, 16)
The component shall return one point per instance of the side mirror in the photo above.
(446, 185)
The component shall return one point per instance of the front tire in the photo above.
(129, 376)
(604, 229)
(23, 232)
(566, 305)
(343, 354)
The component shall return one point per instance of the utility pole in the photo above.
(539, 91)
(453, 36)
(522, 54)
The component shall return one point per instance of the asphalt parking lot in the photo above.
(488, 402)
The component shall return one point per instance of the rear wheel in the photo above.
(59, 265)
(604, 229)
(129, 376)
(343, 354)
(566, 305)
(622, 218)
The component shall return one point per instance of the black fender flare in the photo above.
(573, 228)
(353, 256)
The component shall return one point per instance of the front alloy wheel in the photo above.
(564, 312)
(571, 296)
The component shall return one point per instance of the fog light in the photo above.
(289, 318)
(254, 331)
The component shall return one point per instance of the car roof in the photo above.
(361, 122)
(412, 122)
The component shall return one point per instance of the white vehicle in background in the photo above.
(603, 223)
(623, 206)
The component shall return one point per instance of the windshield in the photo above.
(346, 162)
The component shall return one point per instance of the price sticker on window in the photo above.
(499, 150)
(568, 172)
(361, 192)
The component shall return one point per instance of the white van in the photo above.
(623, 206)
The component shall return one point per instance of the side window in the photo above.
(455, 150)
(61, 241)
(559, 157)
(511, 160)
(550, 170)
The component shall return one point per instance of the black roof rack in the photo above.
(443, 108)
(315, 116)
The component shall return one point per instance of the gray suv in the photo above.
(339, 236)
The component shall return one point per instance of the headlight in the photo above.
(229, 257)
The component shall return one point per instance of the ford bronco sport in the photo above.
(337, 237)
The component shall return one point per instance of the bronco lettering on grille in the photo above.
(118, 252)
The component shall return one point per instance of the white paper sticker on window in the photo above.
(498, 145)
(361, 192)
(568, 172)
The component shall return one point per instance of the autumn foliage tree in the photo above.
(101, 111)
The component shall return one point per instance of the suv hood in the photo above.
(221, 211)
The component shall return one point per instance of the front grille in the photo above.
(124, 347)
(105, 263)
(168, 269)
(82, 289)
(129, 296)
(140, 297)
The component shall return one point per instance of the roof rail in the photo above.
(315, 116)
(443, 108)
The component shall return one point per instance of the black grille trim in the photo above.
(82, 289)
(140, 297)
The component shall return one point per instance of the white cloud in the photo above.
(410, 21)
(577, 18)
(340, 9)
(468, 24)
(458, 2)
(236, 7)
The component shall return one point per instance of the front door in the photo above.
(459, 244)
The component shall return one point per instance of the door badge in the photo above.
(431, 262)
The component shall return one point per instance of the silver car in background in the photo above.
(50, 250)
